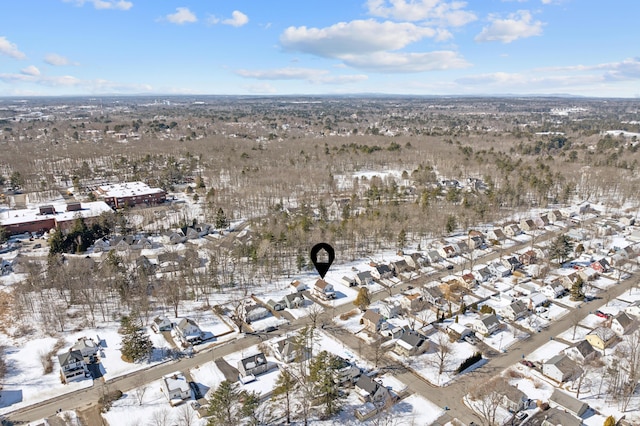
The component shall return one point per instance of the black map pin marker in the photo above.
(322, 255)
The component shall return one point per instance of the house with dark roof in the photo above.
(486, 324)
(364, 278)
(253, 365)
(514, 311)
(294, 301)
(623, 324)
(324, 290)
(581, 351)
(72, 366)
(411, 343)
(369, 390)
(513, 399)
(382, 271)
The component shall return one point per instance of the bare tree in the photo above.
(140, 388)
(159, 418)
(185, 415)
(443, 352)
(487, 397)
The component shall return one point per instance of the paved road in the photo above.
(449, 396)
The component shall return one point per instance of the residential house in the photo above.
(552, 290)
(601, 265)
(566, 402)
(513, 399)
(623, 324)
(276, 305)
(434, 295)
(555, 216)
(482, 274)
(370, 390)
(87, 347)
(529, 257)
(324, 290)
(254, 312)
(143, 264)
(536, 299)
(496, 235)
(476, 243)
(525, 288)
(390, 308)
(556, 417)
(348, 281)
(511, 262)
(633, 309)
(400, 267)
(347, 372)
(415, 260)
(588, 274)
(433, 256)
(161, 324)
(101, 245)
(447, 251)
(512, 230)
(561, 368)
(458, 331)
(601, 338)
(468, 280)
(581, 351)
(253, 365)
(173, 237)
(381, 271)
(298, 286)
(392, 330)
(461, 247)
(497, 269)
(541, 221)
(294, 301)
(287, 350)
(486, 324)
(411, 343)
(514, 311)
(413, 302)
(176, 388)
(372, 320)
(188, 331)
(72, 366)
(527, 225)
(364, 278)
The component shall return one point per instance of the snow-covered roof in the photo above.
(128, 189)
(91, 209)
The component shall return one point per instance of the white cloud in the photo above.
(237, 19)
(68, 81)
(105, 4)
(311, 75)
(437, 12)
(182, 16)
(263, 88)
(10, 49)
(517, 25)
(355, 37)
(391, 62)
(30, 70)
(57, 60)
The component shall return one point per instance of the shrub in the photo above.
(469, 362)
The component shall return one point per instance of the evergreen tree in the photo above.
(560, 249)
(229, 406)
(283, 391)
(577, 292)
(56, 241)
(451, 224)
(221, 221)
(363, 299)
(323, 373)
(136, 344)
(402, 239)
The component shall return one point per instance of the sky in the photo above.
(311, 47)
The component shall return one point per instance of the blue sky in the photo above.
(280, 47)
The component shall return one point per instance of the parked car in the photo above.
(603, 315)
(521, 415)
(526, 363)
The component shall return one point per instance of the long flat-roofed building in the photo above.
(130, 194)
(47, 217)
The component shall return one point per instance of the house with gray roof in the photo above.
(556, 417)
(566, 402)
(623, 324)
(411, 343)
(371, 391)
(561, 368)
(253, 365)
(72, 366)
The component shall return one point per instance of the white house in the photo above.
(160, 324)
(324, 290)
(188, 331)
(486, 324)
(552, 290)
(622, 324)
(514, 311)
(633, 309)
(87, 347)
(561, 368)
(176, 388)
(72, 366)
